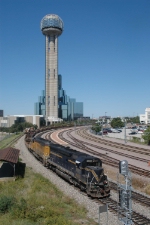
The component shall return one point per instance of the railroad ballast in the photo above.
(82, 170)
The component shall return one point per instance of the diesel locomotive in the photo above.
(80, 169)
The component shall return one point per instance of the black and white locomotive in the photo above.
(83, 170)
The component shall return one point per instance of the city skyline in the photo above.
(103, 56)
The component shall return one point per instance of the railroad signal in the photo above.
(123, 167)
(124, 193)
(124, 197)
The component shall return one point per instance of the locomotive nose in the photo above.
(105, 182)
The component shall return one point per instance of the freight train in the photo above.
(80, 169)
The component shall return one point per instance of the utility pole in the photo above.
(105, 119)
(102, 127)
(125, 137)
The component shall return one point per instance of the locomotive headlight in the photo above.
(105, 182)
(96, 184)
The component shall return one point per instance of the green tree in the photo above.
(97, 128)
(19, 127)
(117, 122)
(146, 136)
(135, 119)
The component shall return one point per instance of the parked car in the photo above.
(132, 132)
(104, 132)
(140, 132)
(119, 130)
(134, 127)
(108, 130)
(115, 131)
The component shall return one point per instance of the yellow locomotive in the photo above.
(40, 149)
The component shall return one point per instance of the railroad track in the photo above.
(142, 199)
(137, 218)
(137, 197)
(106, 159)
(113, 151)
(11, 143)
(83, 133)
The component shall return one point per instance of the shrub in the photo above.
(57, 220)
(19, 209)
(146, 136)
(136, 139)
(6, 203)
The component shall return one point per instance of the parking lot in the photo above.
(122, 135)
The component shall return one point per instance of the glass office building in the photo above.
(1, 113)
(39, 107)
(68, 108)
(78, 110)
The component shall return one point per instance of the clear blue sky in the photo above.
(104, 54)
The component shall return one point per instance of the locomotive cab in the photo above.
(84, 161)
(96, 176)
(97, 183)
(90, 172)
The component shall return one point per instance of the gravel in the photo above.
(69, 190)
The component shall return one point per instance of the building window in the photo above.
(54, 43)
(54, 73)
(54, 100)
(48, 73)
(49, 44)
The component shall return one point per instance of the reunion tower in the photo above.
(51, 27)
